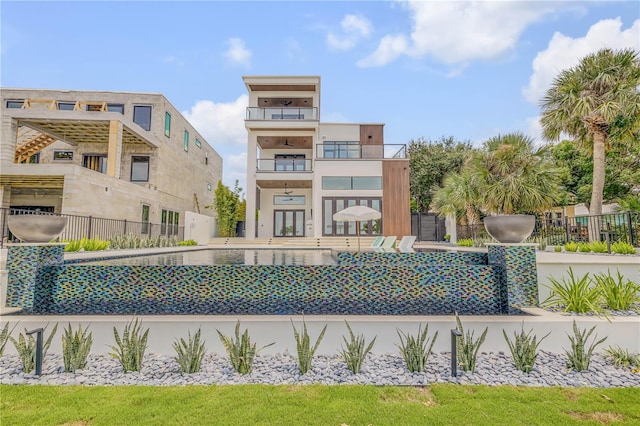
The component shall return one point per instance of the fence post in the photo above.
(4, 221)
(90, 226)
(630, 229)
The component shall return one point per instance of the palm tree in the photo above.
(514, 176)
(589, 101)
(459, 196)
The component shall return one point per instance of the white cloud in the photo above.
(355, 28)
(458, 32)
(235, 168)
(173, 60)
(237, 53)
(564, 52)
(220, 123)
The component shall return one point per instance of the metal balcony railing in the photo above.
(350, 150)
(255, 113)
(284, 165)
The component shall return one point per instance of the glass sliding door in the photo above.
(288, 223)
(333, 205)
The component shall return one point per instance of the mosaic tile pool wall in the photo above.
(366, 289)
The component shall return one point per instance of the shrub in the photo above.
(618, 293)
(447, 237)
(75, 348)
(303, 344)
(86, 244)
(621, 247)
(26, 347)
(579, 359)
(187, 243)
(467, 347)
(465, 242)
(240, 350)
(575, 294)
(584, 247)
(190, 353)
(5, 334)
(131, 348)
(571, 247)
(622, 357)
(130, 241)
(557, 249)
(599, 247)
(524, 348)
(355, 352)
(416, 351)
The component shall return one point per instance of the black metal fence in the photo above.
(79, 227)
(613, 227)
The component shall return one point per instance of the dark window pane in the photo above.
(142, 116)
(115, 108)
(66, 106)
(139, 169)
(15, 104)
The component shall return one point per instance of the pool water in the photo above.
(227, 257)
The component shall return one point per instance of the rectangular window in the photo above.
(145, 219)
(97, 163)
(186, 141)
(167, 124)
(63, 155)
(352, 182)
(142, 116)
(291, 200)
(341, 149)
(34, 159)
(15, 104)
(176, 217)
(115, 108)
(66, 106)
(336, 182)
(163, 222)
(208, 187)
(366, 182)
(139, 169)
(198, 143)
(169, 222)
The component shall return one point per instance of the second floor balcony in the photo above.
(353, 150)
(284, 165)
(283, 113)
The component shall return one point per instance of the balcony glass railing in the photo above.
(254, 113)
(284, 165)
(349, 150)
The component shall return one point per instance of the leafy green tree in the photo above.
(227, 206)
(459, 195)
(515, 177)
(598, 104)
(429, 162)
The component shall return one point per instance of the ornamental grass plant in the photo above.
(416, 350)
(524, 348)
(618, 293)
(26, 347)
(574, 294)
(131, 347)
(467, 347)
(240, 350)
(622, 357)
(356, 350)
(190, 352)
(5, 334)
(304, 348)
(76, 347)
(580, 356)
(622, 247)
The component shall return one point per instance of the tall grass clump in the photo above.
(187, 243)
(622, 247)
(571, 246)
(356, 350)
(416, 350)
(575, 294)
(467, 347)
(75, 348)
(584, 247)
(4, 336)
(304, 348)
(622, 357)
(131, 347)
(618, 293)
(579, 356)
(240, 350)
(599, 247)
(26, 347)
(465, 242)
(86, 244)
(524, 348)
(190, 353)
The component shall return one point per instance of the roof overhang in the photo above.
(282, 83)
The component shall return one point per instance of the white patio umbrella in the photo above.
(357, 214)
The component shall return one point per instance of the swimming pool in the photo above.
(226, 257)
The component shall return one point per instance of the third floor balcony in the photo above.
(353, 150)
(282, 113)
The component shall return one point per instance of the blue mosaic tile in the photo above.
(517, 269)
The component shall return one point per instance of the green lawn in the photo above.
(316, 405)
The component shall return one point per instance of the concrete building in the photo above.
(300, 171)
(115, 155)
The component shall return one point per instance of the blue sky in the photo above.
(425, 69)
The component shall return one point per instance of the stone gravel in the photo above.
(389, 369)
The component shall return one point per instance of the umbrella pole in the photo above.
(358, 232)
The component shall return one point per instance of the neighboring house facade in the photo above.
(301, 171)
(116, 155)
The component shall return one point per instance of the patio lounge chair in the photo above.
(378, 241)
(387, 245)
(406, 244)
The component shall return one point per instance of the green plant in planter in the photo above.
(524, 348)
(622, 357)
(599, 247)
(618, 293)
(579, 358)
(26, 347)
(621, 247)
(303, 344)
(190, 353)
(465, 242)
(557, 249)
(575, 294)
(131, 347)
(75, 348)
(571, 247)
(356, 350)
(447, 237)
(240, 350)
(4, 336)
(467, 347)
(584, 247)
(416, 350)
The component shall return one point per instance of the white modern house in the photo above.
(300, 171)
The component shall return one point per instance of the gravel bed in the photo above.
(282, 368)
(634, 311)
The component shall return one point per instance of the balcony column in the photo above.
(114, 153)
(250, 219)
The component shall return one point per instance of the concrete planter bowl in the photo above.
(510, 228)
(35, 228)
